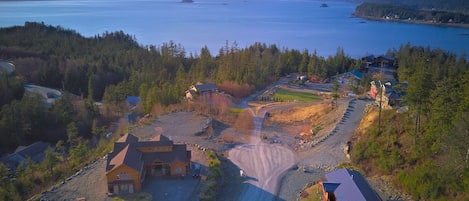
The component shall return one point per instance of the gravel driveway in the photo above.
(325, 156)
(263, 163)
(267, 165)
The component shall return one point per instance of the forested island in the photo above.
(418, 13)
(424, 150)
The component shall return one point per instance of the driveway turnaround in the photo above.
(262, 163)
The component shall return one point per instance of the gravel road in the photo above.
(267, 165)
(263, 163)
(329, 153)
(325, 156)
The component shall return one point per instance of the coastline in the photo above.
(465, 26)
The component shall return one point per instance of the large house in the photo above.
(133, 160)
(201, 89)
(347, 184)
(380, 66)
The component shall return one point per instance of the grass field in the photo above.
(288, 95)
(312, 193)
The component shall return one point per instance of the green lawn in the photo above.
(236, 110)
(312, 193)
(287, 95)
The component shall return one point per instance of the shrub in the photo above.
(210, 187)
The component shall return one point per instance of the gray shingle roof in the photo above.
(205, 87)
(353, 186)
(35, 151)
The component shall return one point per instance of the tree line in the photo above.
(443, 5)
(399, 12)
(111, 66)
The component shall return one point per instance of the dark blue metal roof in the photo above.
(133, 100)
(330, 187)
(357, 74)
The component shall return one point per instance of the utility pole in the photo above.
(380, 105)
(380, 97)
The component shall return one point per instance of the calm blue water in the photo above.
(290, 24)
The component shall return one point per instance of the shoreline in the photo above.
(380, 19)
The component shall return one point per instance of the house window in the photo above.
(178, 170)
(124, 187)
(123, 176)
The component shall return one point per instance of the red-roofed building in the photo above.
(132, 160)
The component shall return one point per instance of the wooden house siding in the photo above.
(156, 149)
(178, 168)
(112, 176)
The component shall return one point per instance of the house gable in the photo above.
(125, 174)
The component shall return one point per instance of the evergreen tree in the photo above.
(73, 138)
(303, 67)
(50, 160)
(418, 96)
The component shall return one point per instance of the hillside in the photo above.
(423, 150)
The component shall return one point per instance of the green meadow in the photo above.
(288, 96)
